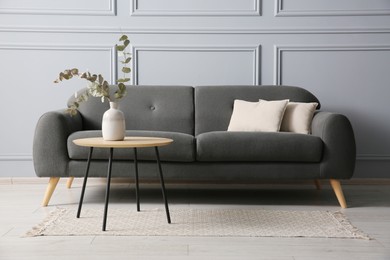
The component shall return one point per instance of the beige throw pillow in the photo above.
(257, 116)
(297, 117)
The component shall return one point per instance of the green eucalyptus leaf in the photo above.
(121, 87)
(93, 78)
(123, 37)
(126, 69)
(123, 80)
(118, 96)
(84, 75)
(121, 92)
(75, 71)
(105, 89)
(126, 43)
(120, 47)
(100, 79)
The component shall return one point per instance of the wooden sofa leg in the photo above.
(339, 192)
(318, 184)
(49, 190)
(69, 182)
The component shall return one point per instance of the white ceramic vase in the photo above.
(113, 124)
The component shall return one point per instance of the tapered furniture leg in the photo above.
(69, 182)
(49, 190)
(339, 192)
(85, 181)
(162, 185)
(108, 189)
(136, 179)
(318, 184)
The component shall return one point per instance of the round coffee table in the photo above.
(129, 142)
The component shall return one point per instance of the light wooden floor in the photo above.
(369, 210)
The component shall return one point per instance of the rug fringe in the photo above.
(50, 219)
(346, 224)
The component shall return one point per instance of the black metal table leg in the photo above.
(84, 182)
(136, 179)
(162, 185)
(108, 189)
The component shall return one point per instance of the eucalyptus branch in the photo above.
(121, 49)
(97, 85)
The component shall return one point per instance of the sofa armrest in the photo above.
(50, 153)
(339, 154)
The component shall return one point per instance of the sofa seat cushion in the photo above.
(222, 146)
(181, 150)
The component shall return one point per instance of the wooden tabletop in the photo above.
(129, 142)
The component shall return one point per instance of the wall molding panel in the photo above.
(280, 11)
(278, 77)
(27, 157)
(104, 48)
(279, 49)
(46, 7)
(221, 8)
(254, 50)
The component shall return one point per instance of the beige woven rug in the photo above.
(198, 222)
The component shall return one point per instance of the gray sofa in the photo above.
(197, 118)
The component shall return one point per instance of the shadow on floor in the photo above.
(297, 195)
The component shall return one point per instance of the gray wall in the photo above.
(339, 50)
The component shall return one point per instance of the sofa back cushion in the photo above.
(214, 104)
(155, 108)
